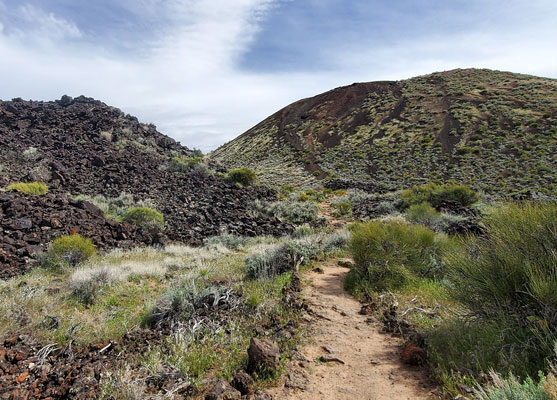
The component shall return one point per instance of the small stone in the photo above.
(331, 358)
(345, 263)
(263, 356)
(223, 391)
(243, 382)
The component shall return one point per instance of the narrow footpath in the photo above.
(347, 356)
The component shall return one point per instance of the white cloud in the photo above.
(186, 81)
(36, 25)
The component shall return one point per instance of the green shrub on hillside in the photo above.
(282, 258)
(144, 217)
(29, 188)
(232, 242)
(70, 249)
(244, 176)
(422, 213)
(342, 208)
(311, 195)
(302, 231)
(184, 164)
(388, 255)
(512, 270)
(295, 212)
(434, 194)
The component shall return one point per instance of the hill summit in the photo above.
(496, 131)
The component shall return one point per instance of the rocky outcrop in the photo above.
(83, 146)
(28, 224)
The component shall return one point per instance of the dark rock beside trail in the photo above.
(82, 146)
(29, 223)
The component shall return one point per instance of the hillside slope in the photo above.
(496, 131)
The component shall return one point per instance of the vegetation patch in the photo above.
(69, 250)
(144, 217)
(243, 176)
(436, 194)
(37, 188)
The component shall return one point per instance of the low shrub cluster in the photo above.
(435, 194)
(503, 285)
(232, 242)
(37, 188)
(281, 258)
(116, 207)
(512, 388)
(425, 214)
(511, 272)
(243, 176)
(302, 231)
(144, 217)
(185, 164)
(190, 300)
(389, 255)
(69, 250)
(311, 195)
(342, 208)
(295, 212)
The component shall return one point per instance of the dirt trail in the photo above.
(369, 365)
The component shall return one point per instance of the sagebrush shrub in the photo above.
(70, 249)
(281, 258)
(342, 208)
(302, 231)
(232, 242)
(512, 389)
(295, 212)
(435, 194)
(29, 188)
(336, 241)
(184, 164)
(144, 217)
(388, 255)
(244, 176)
(512, 269)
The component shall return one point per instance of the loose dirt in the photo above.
(347, 357)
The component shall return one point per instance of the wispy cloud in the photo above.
(206, 70)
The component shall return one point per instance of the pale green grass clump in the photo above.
(37, 188)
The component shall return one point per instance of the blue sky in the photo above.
(204, 71)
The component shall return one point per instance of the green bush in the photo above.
(29, 188)
(311, 195)
(232, 242)
(302, 231)
(281, 258)
(512, 389)
(512, 270)
(70, 249)
(389, 255)
(295, 212)
(287, 190)
(434, 194)
(480, 345)
(422, 213)
(244, 176)
(185, 164)
(336, 241)
(144, 217)
(342, 208)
